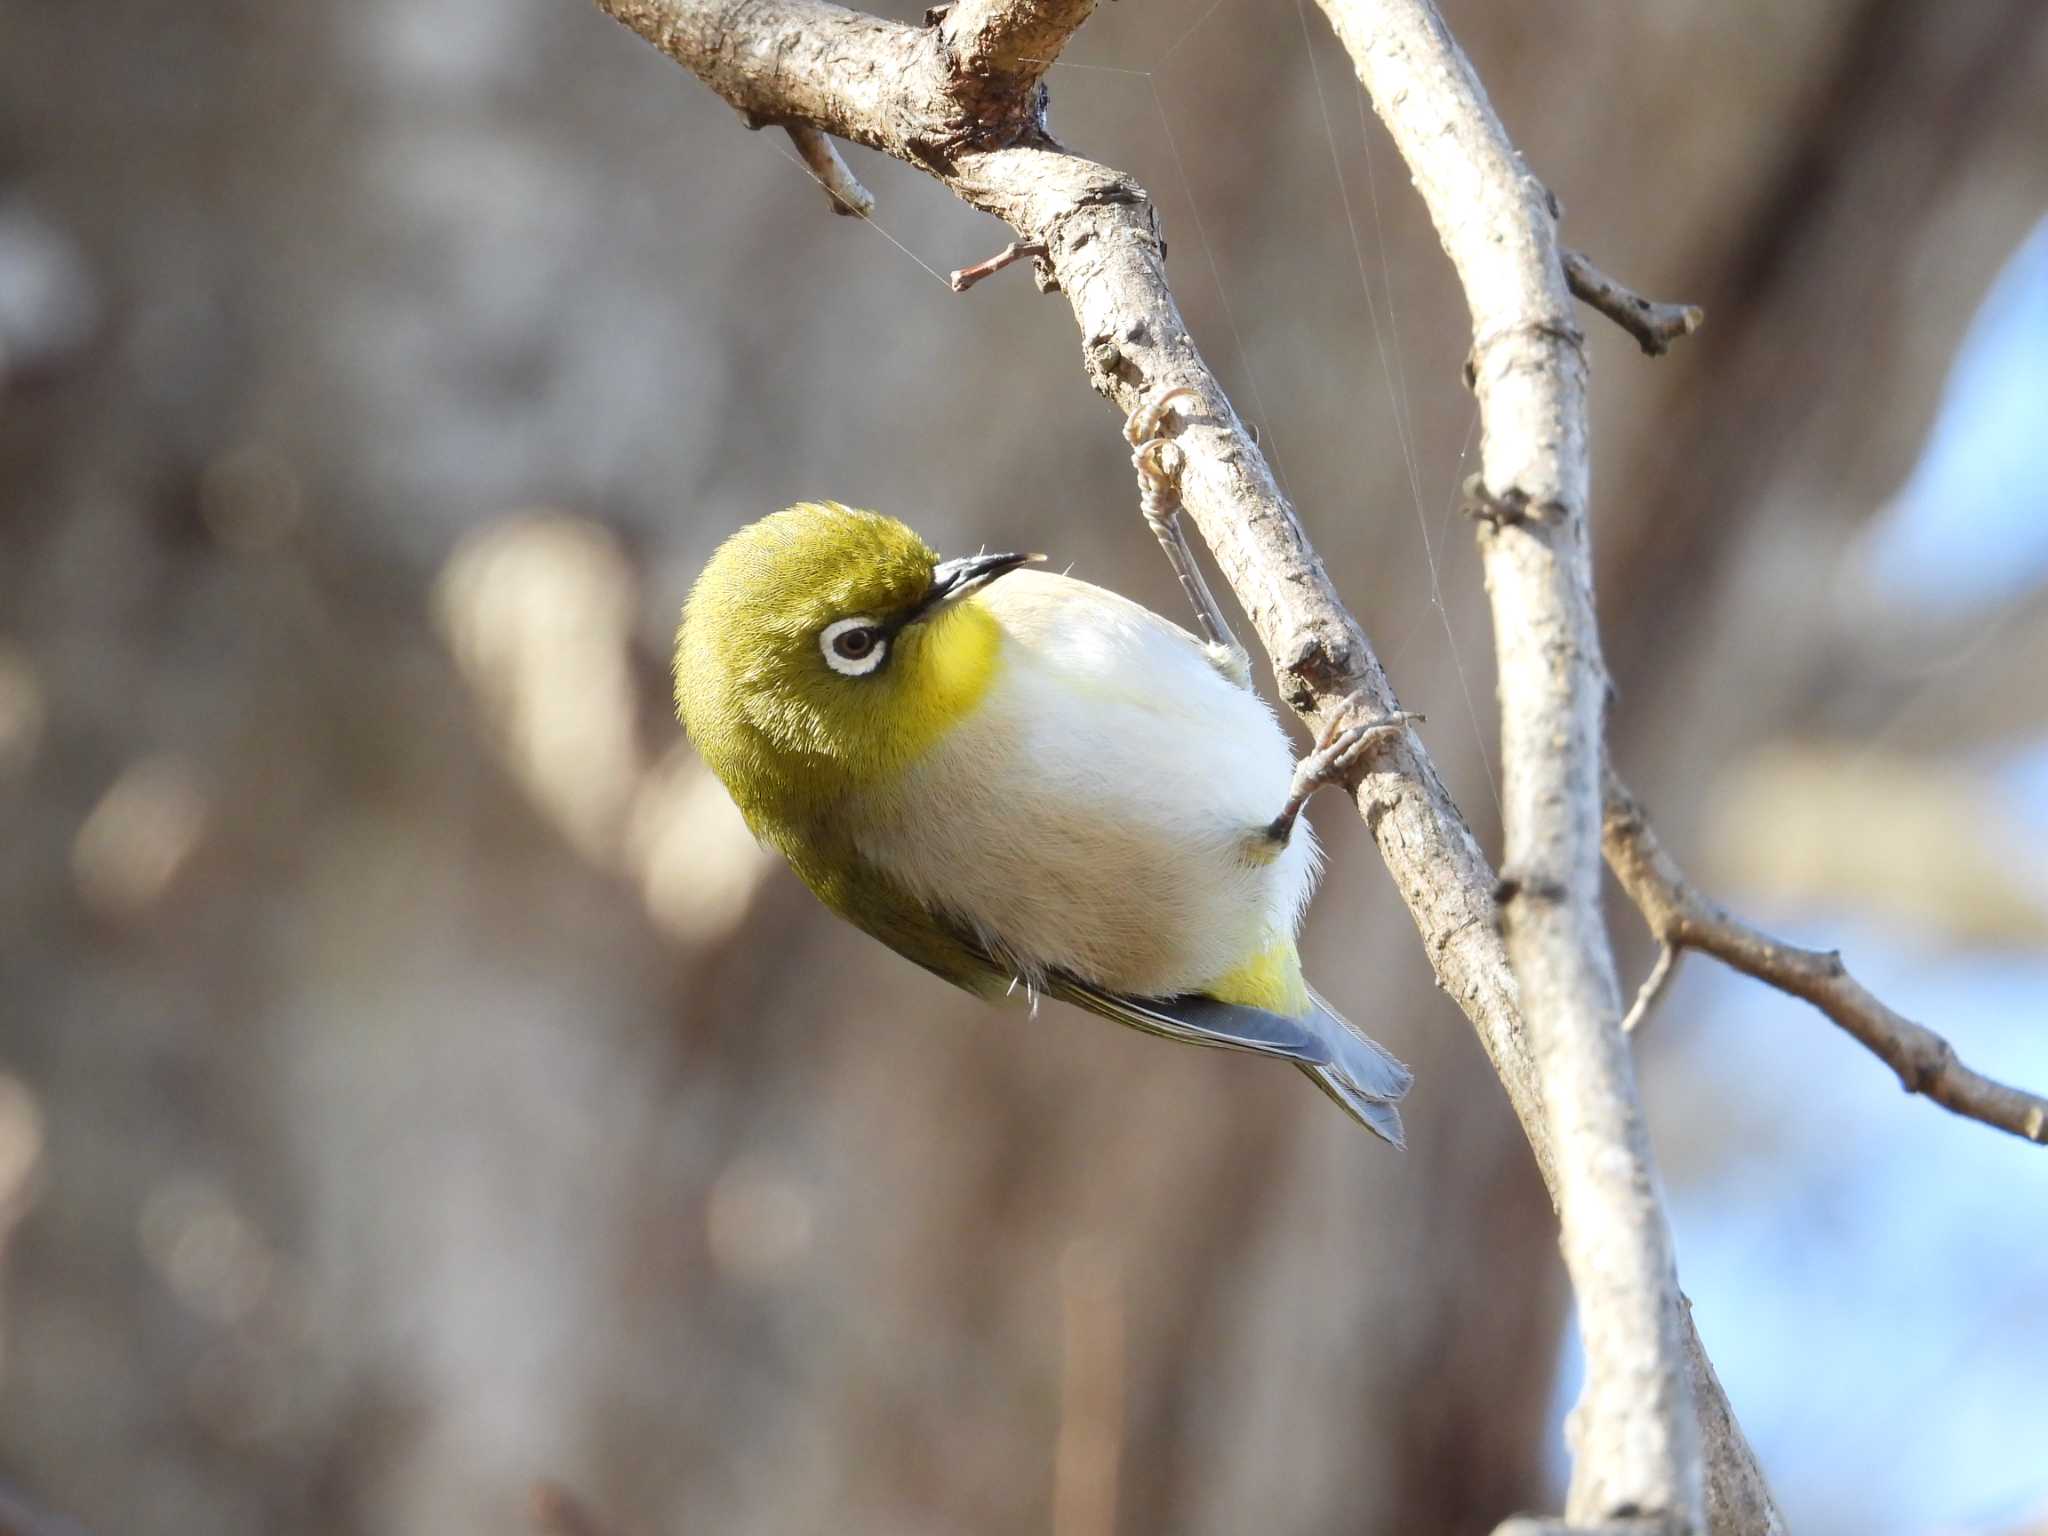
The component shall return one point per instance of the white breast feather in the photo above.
(1099, 812)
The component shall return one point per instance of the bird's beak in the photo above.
(955, 579)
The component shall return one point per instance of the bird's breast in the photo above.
(1101, 809)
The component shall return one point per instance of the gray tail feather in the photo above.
(1376, 1070)
(1361, 1075)
(1355, 1070)
(1376, 1115)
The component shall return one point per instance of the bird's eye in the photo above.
(853, 647)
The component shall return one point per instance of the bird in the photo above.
(1016, 778)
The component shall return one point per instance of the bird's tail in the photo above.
(1350, 1067)
(1363, 1076)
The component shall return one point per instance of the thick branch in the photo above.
(1637, 1450)
(1738, 1498)
(805, 61)
(1655, 326)
(1011, 43)
(855, 77)
(1682, 919)
(920, 94)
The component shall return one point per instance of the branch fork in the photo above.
(1682, 919)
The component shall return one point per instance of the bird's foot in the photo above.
(1148, 421)
(1156, 457)
(1336, 752)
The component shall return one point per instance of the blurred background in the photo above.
(423, 1110)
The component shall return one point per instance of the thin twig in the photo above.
(1652, 991)
(1682, 918)
(965, 278)
(834, 175)
(1655, 326)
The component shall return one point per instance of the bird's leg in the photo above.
(1158, 461)
(1335, 752)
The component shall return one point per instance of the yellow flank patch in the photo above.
(951, 660)
(1270, 979)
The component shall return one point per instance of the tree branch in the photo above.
(1738, 1498)
(1635, 1431)
(1655, 326)
(964, 278)
(1652, 991)
(1011, 43)
(894, 89)
(832, 173)
(1683, 919)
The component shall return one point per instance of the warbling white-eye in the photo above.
(1011, 777)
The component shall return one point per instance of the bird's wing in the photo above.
(1356, 1071)
(1351, 1068)
(869, 899)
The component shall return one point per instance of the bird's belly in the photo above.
(1110, 826)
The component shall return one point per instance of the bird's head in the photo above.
(824, 648)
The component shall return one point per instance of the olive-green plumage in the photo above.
(1018, 780)
(791, 739)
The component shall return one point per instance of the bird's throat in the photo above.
(944, 675)
(961, 656)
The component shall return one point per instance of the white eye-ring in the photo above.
(853, 647)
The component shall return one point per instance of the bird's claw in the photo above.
(1156, 457)
(1336, 752)
(1146, 422)
(1341, 746)
(1159, 462)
